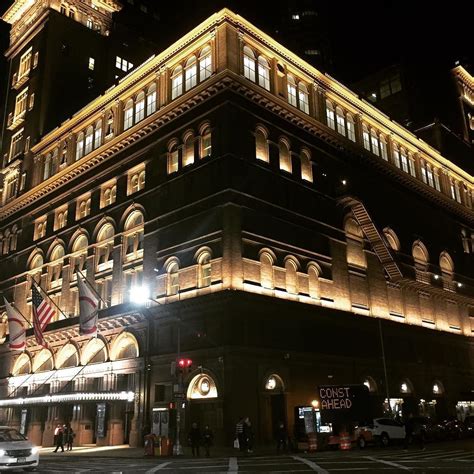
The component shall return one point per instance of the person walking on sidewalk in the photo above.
(59, 438)
(281, 438)
(239, 434)
(207, 437)
(248, 434)
(69, 437)
(194, 438)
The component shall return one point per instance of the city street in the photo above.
(453, 457)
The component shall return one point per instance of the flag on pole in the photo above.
(42, 315)
(16, 328)
(88, 308)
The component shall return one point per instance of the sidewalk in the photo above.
(125, 452)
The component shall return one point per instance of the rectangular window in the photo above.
(83, 208)
(16, 147)
(404, 162)
(424, 177)
(40, 228)
(205, 67)
(436, 181)
(411, 162)
(429, 175)
(60, 218)
(128, 118)
(25, 64)
(383, 150)
(191, 76)
(206, 145)
(330, 118)
(108, 194)
(140, 110)
(375, 144)
(136, 181)
(292, 95)
(351, 131)
(91, 64)
(123, 64)
(366, 138)
(20, 103)
(176, 86)
(396, 158)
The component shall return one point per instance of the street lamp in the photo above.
(138, 296)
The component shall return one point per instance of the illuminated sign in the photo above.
(343, 403)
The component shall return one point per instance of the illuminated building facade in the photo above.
(282, 226)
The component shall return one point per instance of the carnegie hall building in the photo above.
(283, 233)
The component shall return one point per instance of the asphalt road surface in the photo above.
(437, 458)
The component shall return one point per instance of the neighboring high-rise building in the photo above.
(277, 230)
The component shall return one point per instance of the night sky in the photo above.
(364, 35)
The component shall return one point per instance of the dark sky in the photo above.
(365, 34)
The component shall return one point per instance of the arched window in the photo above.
(205, 63)
(105, 240)
(274, 384)
(56, 267)
(79, 249)
(350, 127)
(303, 98)
(263, 73)
(151, 99)
(47, 167)
(134, 234)
(306, 168)
(313, 280)
(202, 386)
(396, 155)
(98, 134)
(68, 356)
(266, 269)
(366, 136)
(341, 124)
(128, 115)
(420, 254)
(188, 149)
(206, 142)
(190, 73)
(173, 157)
(291, 276)
(177, 82)
(36, 262)
(291, 88)
(110, 130)
(173, 278)
(355, 243)
(285, 156)
(261, 145)
(125, 346)
(447, 270)
(89, 140)
(43, 361)
(404, 163)
(110, 195)
(375, 142)
(249, 64)
(391, 239)
(95, 352)
(204, 262)
(140, 107)
(330, 119)
(22, 365)
(80, 146)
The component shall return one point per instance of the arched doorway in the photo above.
(274, 406)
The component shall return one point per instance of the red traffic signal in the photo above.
(185, 363)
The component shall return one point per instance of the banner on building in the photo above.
(88, 308)
(16, 328)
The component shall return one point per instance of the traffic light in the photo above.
(184, 365)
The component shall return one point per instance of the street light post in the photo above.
(139, 295)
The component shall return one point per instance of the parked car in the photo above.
(469, 425)
(16, 452)
(381, 430)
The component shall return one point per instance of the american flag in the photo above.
(42, 315)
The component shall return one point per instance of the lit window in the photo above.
(108, 195)
(140, 107)
(366, 137)
(291, 87)
(375, 142)
(424, 176)
(263, 73)
(173, 159)
(123, 64)
(306, 169)
(173, 279)
(249, 64)
(151, 100)
(89, 140)
(206, 143)
(16, 147)
(188, 149)
(47, 167)
(204, 261)
(128, 115)
(190, 73)
(136, 181)
(83, 207)
(80, 146)
(285, 156)
(25, 64)
(303, 98)
(90, 23)
(40, 228)
(98, 134)
(91, 64)
(383, 148)
(330, 115)
(31, 101)
(177, 83)
(134, 239)
(411, 163)
(20, 103)
(396, 155)
(261, 145)
(60, 218)
(341, 125)
(205, 64)
(350, 127)
(295, 17)
(404, 160)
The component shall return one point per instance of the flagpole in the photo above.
(49, 298)
(92, 288)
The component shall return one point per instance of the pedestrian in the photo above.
(281, 437)
(409, 425)
(194, 438)
(207, 438)
(59, 438)
(239, 433)
(248, 434)
(69, 437)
